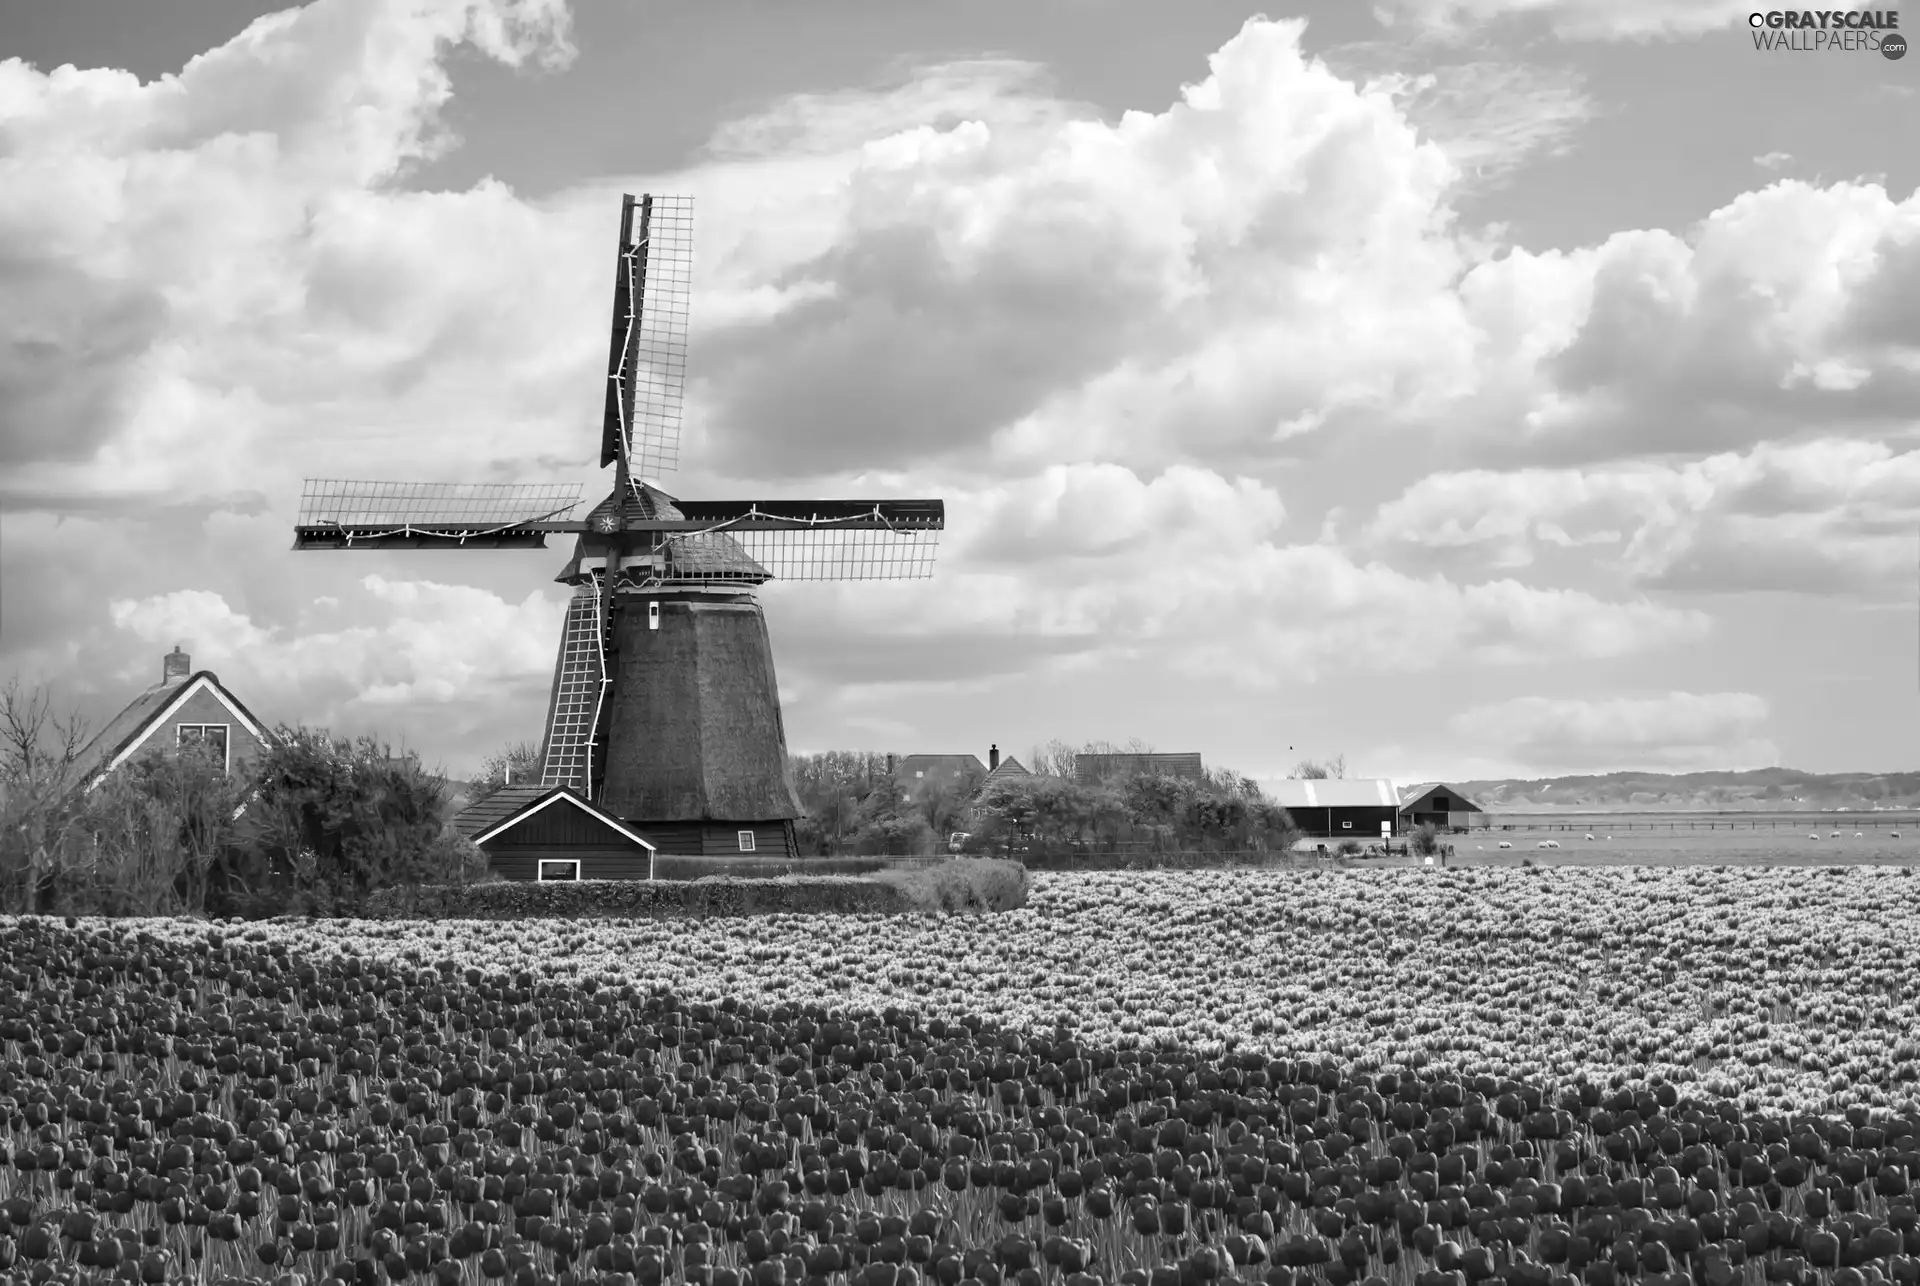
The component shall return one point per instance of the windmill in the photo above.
(664, 710)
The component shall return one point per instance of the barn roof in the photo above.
(128, 732)
(493, 815)
(1330, 792)
(1411, 795)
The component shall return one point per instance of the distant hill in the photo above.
(1762, 790)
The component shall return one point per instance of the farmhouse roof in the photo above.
(1008, 767)
(940, 766)
(1332, 792)
(511, 805)
(128, 732)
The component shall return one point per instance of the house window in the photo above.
(213, 735)
(746, 841)
(559, 868)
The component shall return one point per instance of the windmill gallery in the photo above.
(663, 727)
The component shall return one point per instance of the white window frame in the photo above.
(540, 871)
(226, 740)
(746, 841)
(1346, 826)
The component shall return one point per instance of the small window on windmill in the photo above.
(746, 841)
(919, 772)
(653, 615)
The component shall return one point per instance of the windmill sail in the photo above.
(339, 514)
(647, 357)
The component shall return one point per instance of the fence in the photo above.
(1644, 824)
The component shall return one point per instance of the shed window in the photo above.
(559, 868)
(1346, 826)
(213, 735)
(746, 841)
(1439, 803)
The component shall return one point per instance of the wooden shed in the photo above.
(553, 833)
(1438, 804)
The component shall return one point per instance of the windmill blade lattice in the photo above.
(647, 360)
(346, 514)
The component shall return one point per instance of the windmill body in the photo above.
(664, 708)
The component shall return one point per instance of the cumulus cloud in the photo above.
(1829, 517)
(405, 643)
(1789, 306)
(1057, 287)
(1573, 19)
(1193, 570)
(1675, 732)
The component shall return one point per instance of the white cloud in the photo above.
(1675, 732)
(1127, 283)
(1773, 160)
(405, 643)
(1786, 307)
(1829, 517)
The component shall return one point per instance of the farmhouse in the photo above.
(1339, 809)
(1437, 804)
(553, 833)
(1088, 769)
(184, 708)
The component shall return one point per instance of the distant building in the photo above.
(184, 708)
(1334, 808)
(1002, 769)
(1437, 804)
(917, 772)
(922, 772)
(1089, 769)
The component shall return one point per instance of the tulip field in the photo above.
(1590, 1076)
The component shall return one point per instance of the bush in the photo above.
(1425, 840)
(1348, 847)
(963, 884)
(336, 821)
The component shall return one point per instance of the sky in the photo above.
(1466, 387)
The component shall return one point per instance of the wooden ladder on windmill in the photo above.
(578, 689)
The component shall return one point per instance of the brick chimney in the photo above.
(175, 666)
(993, 756)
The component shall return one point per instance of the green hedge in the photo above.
(961, 885)
(680, 867)
(589, 899)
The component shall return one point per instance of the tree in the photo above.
(519, 764)
(1315, 770)
(337, 820)
(37, 746)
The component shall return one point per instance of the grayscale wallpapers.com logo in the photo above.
(1829, 30)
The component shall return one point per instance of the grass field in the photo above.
(1764, 846)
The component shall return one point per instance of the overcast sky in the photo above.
(1473, 387)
